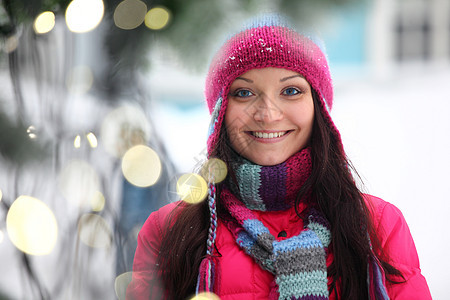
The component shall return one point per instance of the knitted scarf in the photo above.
(270, 188)
(298, 263)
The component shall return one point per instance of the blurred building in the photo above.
(386, 32)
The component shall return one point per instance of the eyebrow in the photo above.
(245, 79)
(281, 80)
(289, 77)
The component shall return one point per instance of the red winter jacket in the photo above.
(242, 278)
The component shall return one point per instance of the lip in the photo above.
(269, 140)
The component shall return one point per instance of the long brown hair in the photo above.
(333, 191)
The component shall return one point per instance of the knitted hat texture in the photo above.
(268, 42)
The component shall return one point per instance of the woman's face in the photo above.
(270, 115)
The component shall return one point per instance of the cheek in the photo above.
(235, 123)
(231, 126)
(309, 119)
(303, 116)
(234, 119)
(307, 115)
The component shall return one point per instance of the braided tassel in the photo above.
(376, 280)
(208, 272)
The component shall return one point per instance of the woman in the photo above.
(288, 222)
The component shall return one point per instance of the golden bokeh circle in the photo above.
(11, 44)
(215, 169)
(205, 296)
(31, 226)
(157, 18)
(141, 166)
(80, 80)
(79, 182)
(121, 284)
(124, 127)
(192, 188)
(44, 22)
(94, 231)
(84, 15)
(98, 201)
(129, 14)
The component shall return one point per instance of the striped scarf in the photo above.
(298, 263)
(271, 188)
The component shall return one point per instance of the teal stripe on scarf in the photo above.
(249, 189)
(322, 232)
(302, 285)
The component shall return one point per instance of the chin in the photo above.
(267, 162)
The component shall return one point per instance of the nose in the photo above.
(267, 110)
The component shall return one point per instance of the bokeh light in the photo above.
(31, 131)
(129, 14)
(192, 188)
(77, 142)
(157, 18)
(123, 128)
(11, 43)
(141, 166)
(98, 201)
(80, 80)
(79, 183)
(92, 139)
(121, 284)
(31, 226)
(44, 22)
(214, 168)
(205, 296)
(84, 15)
(94, 231)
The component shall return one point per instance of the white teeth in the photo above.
(266, 135)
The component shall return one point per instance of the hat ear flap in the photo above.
(215, 124)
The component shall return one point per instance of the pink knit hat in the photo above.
(268, 42)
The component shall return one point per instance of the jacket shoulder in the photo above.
(157, 219)
(396, 241)
(145, 283)
(382, 211)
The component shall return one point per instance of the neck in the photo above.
(270, 188)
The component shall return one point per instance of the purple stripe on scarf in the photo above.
(317, 217)
(274, 195)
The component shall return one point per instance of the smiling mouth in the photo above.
(268, 135)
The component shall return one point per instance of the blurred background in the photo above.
(102, 110)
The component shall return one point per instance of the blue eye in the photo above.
(291, 91)
(243, 93)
